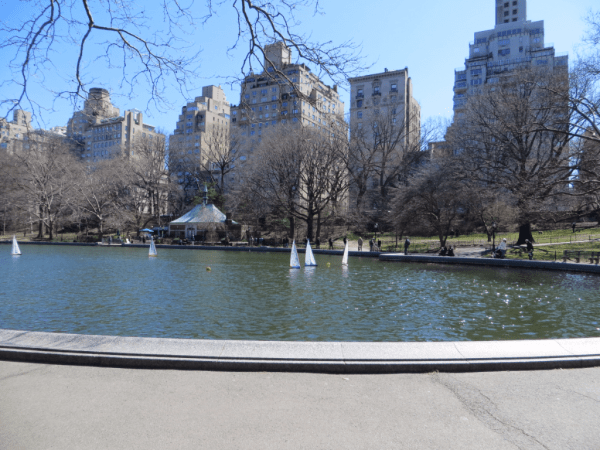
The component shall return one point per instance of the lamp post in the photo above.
(494, 226)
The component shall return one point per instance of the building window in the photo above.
(514, 11)
(359, 115)
(506, 13)
(504, 52)
(394, 87)
(359, 103)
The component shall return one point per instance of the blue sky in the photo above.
(429, 37)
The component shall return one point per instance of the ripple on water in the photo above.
(256, 296)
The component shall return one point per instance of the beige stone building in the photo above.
(202, 132)
(295, 95)
(15, 134)
(284, 93)
(386, 95)
(206, 117)
(103, 133)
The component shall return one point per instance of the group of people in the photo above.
(500, 251)
(447, 251)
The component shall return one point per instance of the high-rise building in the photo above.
(389, 93)
(201, 120)
(102, 133)
(201, 133)
(296, 97)
(15, 134)
(513, 43)
(285, 93)
(385, 123)
(511, 11)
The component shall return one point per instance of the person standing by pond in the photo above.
(360, 243)
(406, 245)
(529, 249)
(330, 244)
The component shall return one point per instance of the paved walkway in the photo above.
(71, 407)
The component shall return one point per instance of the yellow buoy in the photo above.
(328, 264)
(208, 269)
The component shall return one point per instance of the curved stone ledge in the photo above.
(318, 357)
(491, 262)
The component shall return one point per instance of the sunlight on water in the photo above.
(118, 291)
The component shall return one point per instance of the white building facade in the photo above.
(513, 43)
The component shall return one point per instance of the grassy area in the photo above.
(550, 252)
(61, 237)
(478, 239)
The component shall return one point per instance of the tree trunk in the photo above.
(525, 233)
(309, 225)
(41, 223)
(292, 232)
(318, 225)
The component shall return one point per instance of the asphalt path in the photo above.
(72, 407)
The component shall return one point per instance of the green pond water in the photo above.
(121, 291)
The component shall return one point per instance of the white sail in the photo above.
(15, 247)
(152, 248)
(309, 258)
(345, 257)
(294, 261)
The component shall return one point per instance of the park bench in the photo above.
(578, 255)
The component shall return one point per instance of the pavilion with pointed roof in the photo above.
(200, 219)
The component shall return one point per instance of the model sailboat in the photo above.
(152, 248)
(294, 261)
(345, 257)
(15, 247)
(309, 259)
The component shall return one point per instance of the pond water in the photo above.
(121, 291)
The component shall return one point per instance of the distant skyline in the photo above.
(430, 38)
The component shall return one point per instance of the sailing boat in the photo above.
(294, 261)
(152, 248)
(309, 259)
(345, 257)
(15, 247)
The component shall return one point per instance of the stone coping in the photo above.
(317, 357)
(491, 262)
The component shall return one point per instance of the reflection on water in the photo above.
(117, 291)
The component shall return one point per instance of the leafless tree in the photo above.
(43, 180)
(384, 151)
(149, 186)
(298, 173)
(98, 193)
(218, 155)
(502, 143)
(149, 50)
(430, 200)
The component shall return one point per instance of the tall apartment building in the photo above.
(202, 132)
(385, 94)
(201, 120)
(102, 133)
(284, 93)
(296, 97)
(513, 43)
(14, 135)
